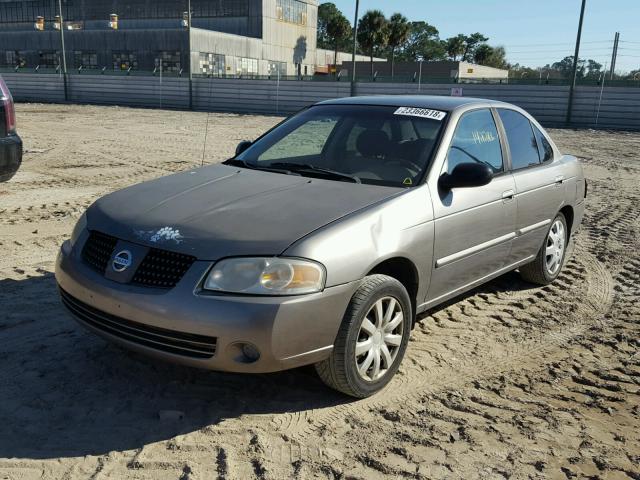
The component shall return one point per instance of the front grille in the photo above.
(158, 269)
(98, 249)
(170, 341)
(162, 269)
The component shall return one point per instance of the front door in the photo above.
(474, 227)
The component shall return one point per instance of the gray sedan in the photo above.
(320, 242)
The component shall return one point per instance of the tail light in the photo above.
(9, 111)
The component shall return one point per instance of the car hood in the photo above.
(219, 211)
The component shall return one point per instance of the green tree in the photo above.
(594, 70)
(373, 33)
(399, 29)
(471, 43)
(482, 54)
(565, 67)
(326, 11)
(490, 56)
(423, 43)
(455, 46)
(338, 31)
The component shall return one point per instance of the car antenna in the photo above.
(204, 147)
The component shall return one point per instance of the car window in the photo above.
(544, 147)
(307, 140)
(379, 145)
(476, 140)
(522, 142)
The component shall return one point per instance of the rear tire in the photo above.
(548, 264)
(372, 338)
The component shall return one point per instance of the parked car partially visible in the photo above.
(10, 142)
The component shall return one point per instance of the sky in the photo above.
(534, 32)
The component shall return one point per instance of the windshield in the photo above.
(366, 144)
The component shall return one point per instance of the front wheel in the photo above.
(372, 338)
(547, 265)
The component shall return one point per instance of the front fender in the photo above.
(352, 246)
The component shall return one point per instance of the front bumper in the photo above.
(10, 156)
(287, 331)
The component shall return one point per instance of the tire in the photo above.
(539, 270)
(340, 371)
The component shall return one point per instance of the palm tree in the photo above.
(373, 32)
(399, 29)
(338, 30)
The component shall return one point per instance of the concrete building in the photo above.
(465, 72)
(228, 38)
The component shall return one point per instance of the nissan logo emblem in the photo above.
(122, 261)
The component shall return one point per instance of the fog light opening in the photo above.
(250, 353)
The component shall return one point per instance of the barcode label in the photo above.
(421, 112)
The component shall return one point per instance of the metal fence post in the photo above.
(63, 53)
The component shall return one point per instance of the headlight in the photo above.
(266, 276)
(81, 224)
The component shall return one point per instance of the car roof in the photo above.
(437, 102)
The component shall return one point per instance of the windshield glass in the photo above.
(369, 144)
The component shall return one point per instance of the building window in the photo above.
(15, 58)
(48, 58)
(274, 68)
(124, 60)
(211, 64)
(85, 59)
(247, 66)
(291, 11)
(168, 61)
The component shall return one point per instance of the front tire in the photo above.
(372, 338)
(548, 264)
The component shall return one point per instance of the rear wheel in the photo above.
(547, 265)
(372, 338)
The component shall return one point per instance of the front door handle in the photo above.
(508, 195)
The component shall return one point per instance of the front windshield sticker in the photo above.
(421, 112)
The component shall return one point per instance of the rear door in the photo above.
(539, 184)
(474, 227)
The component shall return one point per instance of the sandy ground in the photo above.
(509, 381)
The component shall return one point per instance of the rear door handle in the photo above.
(559, 179)
(508, 195)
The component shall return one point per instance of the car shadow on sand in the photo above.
(67, 393)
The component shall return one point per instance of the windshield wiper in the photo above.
(306, 167)
(236, 162)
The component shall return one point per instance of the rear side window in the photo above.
(476, 140)
(544, 147)
(522, 142)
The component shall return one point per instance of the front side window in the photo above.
(476, 140)
(522, 142)
(373, 144)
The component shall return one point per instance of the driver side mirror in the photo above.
(242, 146)
(466, 175)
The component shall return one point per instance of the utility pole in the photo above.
(614, 55)
(189, 47)
(572, 86)
(355, 46)
(63, 53)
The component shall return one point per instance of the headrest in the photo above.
(373, 143)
